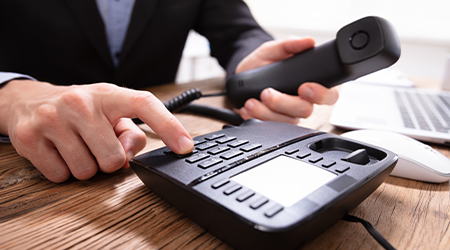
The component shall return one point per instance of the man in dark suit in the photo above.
(78, 129)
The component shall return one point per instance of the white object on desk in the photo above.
(417, 160)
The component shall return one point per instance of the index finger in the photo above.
(122, 102)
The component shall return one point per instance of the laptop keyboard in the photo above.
(424, 110)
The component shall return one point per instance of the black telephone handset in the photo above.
(266, 185)
(360, 48)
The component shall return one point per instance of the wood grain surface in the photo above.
(116, 211)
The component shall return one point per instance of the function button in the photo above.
(231, 154)
(197, 142)
(359, 40)
(210, 163)
(273, 211)
(245, 196)
(207, 146)
(218, 150)
(289, 152)
(197, 157)
(251, 147)
(237, 143)
(220, 183)
(342, 169)
(258, 203)
(303, 155)
(232, 189)
(328, 163)
(213, 137)
(226, 139)
(316, 159)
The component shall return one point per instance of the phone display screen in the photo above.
(284, 180)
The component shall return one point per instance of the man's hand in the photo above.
(279, 106)
(79, 129)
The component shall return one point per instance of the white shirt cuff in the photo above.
(8, 76)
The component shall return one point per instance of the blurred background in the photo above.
(423, 28)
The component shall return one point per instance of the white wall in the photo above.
(423, 28)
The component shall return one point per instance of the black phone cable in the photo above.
(182, 103)
(372, 230)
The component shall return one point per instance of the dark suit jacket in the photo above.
(64, 41)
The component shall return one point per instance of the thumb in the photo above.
(274, 51)
(131, 137)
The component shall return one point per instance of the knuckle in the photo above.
(140, 136)
(112, 163)
(46, 114)
(168, 121)
(143, 99)
(306, 110)
(104, 87)
(85, 173)
(78, 102)
(25, 133)
(267, 46)
(58, 177)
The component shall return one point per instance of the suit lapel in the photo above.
(88, 17)
(142, 12)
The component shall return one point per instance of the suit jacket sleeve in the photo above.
(231, 30)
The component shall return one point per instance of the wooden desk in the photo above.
(118, 211)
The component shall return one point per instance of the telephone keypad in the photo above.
(198, 142)
(213, 137)
(251, 147)
(209, 163)
(218, 150)
(231, 154)
(226, 139)
(206, 146)
(197, 157)
(238, 143)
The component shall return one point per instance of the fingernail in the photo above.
(185, 144)
(249, 105)
(307, 93)
(265, 94)
(243, 112)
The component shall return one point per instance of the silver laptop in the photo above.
(419, 113)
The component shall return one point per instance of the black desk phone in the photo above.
(266, 185)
